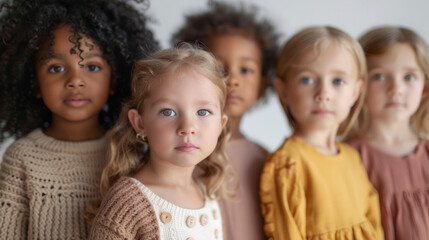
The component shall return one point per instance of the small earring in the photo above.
(142, 137)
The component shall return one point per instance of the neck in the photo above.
(234, 124)
(393, 138)
(323, 140)
(164, 174)
(390, 132)
(76, 132)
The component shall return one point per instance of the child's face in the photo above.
(73, 93)
(320, 90)
(182, 119)
(242, 60)
(395, 84)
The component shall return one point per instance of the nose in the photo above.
(187, 126)
(75, 80)
(395, 87)
(233, 80)
(322, 93)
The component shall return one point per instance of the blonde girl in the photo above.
(314, 187)
(173, 124)
(391, 134)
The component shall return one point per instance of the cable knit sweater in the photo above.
(46, 184)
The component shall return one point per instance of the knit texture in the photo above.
(182, 223)
(46, 184)
(125, 213)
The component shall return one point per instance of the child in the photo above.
(173, 124)
(391, 128)
(313, 187)
(246, 49)
(65, 67)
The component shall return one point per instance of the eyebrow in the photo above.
(46, 57)
(242, 58)
(199, 103)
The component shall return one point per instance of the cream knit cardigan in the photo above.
(46, 184)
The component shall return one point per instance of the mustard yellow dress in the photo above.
(308, 195)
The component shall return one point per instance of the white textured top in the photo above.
(180, 223)
(46, 184)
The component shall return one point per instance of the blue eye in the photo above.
(307, 80)
(379, 77)
(410, 77)
(56, 69)
(203, 112)
(338, 81)
(168, 112)
(92, 68)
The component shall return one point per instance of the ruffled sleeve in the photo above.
(282, 198)
(373, 212)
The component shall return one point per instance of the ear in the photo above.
(280, 87)
(136, 121)
(224, 120)
(425, 91)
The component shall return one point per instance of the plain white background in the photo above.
(266, 124)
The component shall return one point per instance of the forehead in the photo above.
(66, 42)
(184, 83)
(236, 45)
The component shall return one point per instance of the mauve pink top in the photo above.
(241, 217)
(403, 187)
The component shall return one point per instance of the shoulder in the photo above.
(125, 209)
(287, 152)
(356, 143)
(22, 146)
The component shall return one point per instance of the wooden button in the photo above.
(216, 233)
(165, 217)
(204, 219)
(190, 221)
(215, 215)
(190, 238)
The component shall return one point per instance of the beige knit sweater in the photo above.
(46, 184)
(125, 213)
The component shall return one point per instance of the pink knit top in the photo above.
(403, 186)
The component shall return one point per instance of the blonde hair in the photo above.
(128, 154)
(315, 38)
(377, 41)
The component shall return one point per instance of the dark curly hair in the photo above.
(221, 18)
(118, 28)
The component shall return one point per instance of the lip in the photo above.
(321, 111)
(393, 104)
(234, 97)
(77, 101)
(186, 147)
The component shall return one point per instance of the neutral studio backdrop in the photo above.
(266, 124)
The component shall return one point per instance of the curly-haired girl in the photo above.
(173, 123)
(246, 48)
(64, 70)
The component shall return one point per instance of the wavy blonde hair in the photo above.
(315, 38)
(128, 154)
(377, 41)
